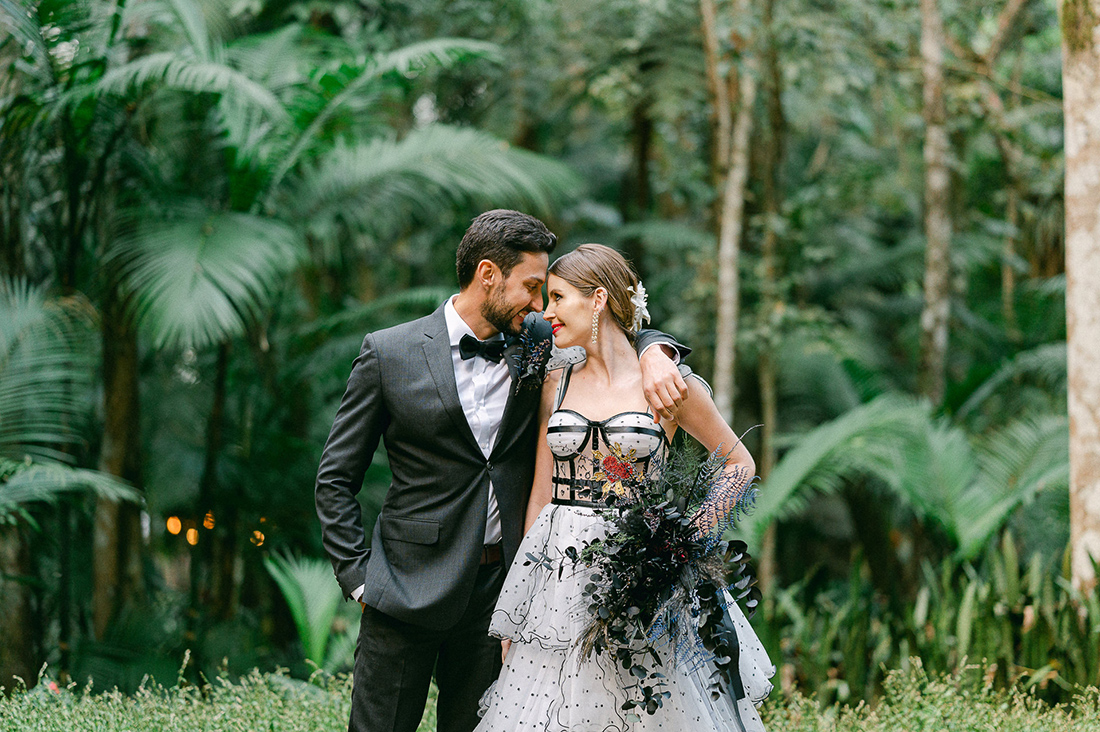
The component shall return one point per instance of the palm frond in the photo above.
(285, 57)
(23, 482)
(45, 369)
(1016, 462)
(313, 596)
(383, 185)
(869, 439)
(443, 52)
(169, 70)
(22, 22)
(203, 277)
(938, 467)
(190, 19)
(1045, 363)
(341, 649)
(814, 383)
(407, 60)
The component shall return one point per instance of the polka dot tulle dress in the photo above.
(545, 684)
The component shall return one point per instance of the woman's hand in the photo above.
(505, 646)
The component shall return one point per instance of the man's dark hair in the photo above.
(501, 236)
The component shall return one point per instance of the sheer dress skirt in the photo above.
(545, 685)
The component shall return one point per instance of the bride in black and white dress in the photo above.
(588, 411)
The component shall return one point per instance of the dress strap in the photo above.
(563, 386)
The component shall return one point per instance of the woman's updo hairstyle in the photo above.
(591, 266)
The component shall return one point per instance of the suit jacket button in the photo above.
(489, 466)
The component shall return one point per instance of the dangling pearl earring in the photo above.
(595, 325)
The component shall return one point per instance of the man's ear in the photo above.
(487, 274)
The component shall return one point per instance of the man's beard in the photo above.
(497, 314)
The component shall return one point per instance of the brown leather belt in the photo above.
(491, 553)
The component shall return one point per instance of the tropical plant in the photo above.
(44, 378)
(1030, 628)
(968, 490)
(314, 599)
(44, 382)
(199, 165)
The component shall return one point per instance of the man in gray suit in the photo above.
(455, 402)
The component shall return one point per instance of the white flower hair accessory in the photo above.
(639, 297)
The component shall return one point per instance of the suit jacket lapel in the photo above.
(437, 352)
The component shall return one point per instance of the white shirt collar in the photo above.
(456, 326)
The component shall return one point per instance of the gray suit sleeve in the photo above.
(350, 447)
(649, 336)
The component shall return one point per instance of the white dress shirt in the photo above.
(483, 388)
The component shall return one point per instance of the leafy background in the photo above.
(205, 205)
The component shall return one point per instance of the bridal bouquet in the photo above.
(662, 578)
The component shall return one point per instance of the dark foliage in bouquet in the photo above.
(664, 572)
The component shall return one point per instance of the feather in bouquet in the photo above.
(662, 578)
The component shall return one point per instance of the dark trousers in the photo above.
(394, 662)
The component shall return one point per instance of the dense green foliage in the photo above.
(1031, 629)
(205, 205)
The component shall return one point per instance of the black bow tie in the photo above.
(493, 350)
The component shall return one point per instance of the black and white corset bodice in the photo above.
(593, 458)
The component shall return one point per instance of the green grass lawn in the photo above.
(276, 703)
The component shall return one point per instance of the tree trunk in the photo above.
(937, 217)
(217, 541)
(637, 192)
(1008, 272)
(11, 222)
(730, 174)
(17, 656)
(718, 86)
(771, 304)
(65, 585)
(1081, 91)
(118, 544)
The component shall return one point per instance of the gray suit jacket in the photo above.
(426, 547)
